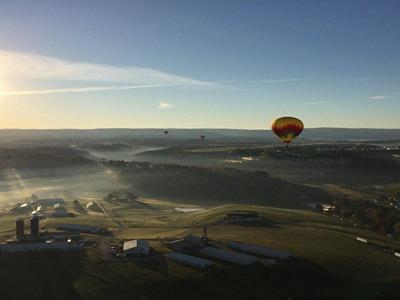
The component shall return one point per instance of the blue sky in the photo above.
(230, 64)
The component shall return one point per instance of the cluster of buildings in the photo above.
(36, 240)
(200, 252)
(41, 208)
(366, 241)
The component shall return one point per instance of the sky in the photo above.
(199, 64)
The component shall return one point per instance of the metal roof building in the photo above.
(236, 258)
(187, 242)
(21, 247)
(189, 260)
(362, 240)
(49, 201)
(259, 250)
(136, 247)
(81, 228)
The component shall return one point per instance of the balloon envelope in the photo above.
(287, 128)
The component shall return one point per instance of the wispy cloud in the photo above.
(19, 65)
(316, 103)
(379, 97)
(78, 90)
(391, 95)
(284, 80)
(165, 105)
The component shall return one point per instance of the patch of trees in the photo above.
(121, 197)
(41, 157)
(370, 215)
(210, 184)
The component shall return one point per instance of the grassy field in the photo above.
(326, 252)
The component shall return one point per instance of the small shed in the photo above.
(136, 247)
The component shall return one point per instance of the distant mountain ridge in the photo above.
(321, 134)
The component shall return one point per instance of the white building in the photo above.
(136, 247)
(362, 240)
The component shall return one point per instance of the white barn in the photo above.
(136, 247)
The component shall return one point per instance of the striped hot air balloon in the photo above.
(287, 128)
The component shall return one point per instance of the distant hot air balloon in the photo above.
(202, 137)
(165, 132)
(287, 128)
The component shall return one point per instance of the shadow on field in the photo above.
(156, 262)
(40, 275)
(292, 279)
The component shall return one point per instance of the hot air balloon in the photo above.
(202, 137)
(165, 132)
(287, 129)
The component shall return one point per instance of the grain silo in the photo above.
(20, 229)
(34, 227)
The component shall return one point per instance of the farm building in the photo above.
(59, 235)
(59, 211)
(242, 215)
(259, 250)
(93, 206)
(21, 247)
(232, 257)
(362, 240)
(189, 241)
(82, 228)
(189, 260)
(136, 247)
(49, 201)
(327, 208)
